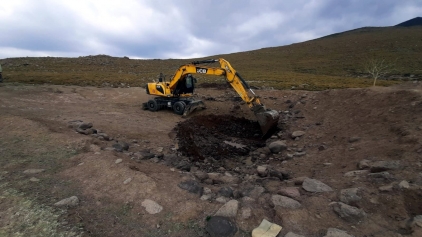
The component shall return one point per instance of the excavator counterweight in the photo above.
(177, 93)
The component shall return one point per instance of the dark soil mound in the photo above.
(218, 137)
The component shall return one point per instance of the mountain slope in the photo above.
(417, 21)
(334, 61)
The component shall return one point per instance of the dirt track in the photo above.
(342, 127)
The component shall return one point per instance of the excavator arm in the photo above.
(225, 69)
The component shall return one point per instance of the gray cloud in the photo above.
(184, 28)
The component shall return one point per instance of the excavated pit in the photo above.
(218, 137)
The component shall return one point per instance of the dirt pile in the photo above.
(218, 137)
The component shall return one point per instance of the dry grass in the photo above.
(24, 217)
(335, 61)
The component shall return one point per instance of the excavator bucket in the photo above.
(194, 104)
(267, 119)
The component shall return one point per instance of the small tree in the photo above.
(377, 68)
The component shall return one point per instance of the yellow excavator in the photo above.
(177, 93)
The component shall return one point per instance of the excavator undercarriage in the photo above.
(180, 106)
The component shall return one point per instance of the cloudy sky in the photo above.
(164, 29)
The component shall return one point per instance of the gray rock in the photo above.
(219, 226)
(412, 225)
(381, 176)
(128, 180)
(322, 148)
(222, 200)
(118, 147)
(104, 136)
(281, 174)
(33, 179)
(229, 179)
(124, 145)
(418, 220)
(151, 207)
(350, 196)
(404, 185)
(184, 165)
(354, 139)
(74, 123)
(387, 188)
(229, 209)
(214, 176)
(355, 173)
(85, 131)
(299, 180)
(254, 192)
(291, 234)
(191, 186)
(118, 161)
(226, 192)
(333, 232)
(277, 146)
(292, 192)
(33, 171)
(262, 171)
(144, 155)
(364, 164)
(315, 186)
(207, 190)
(246, 212)
(379, 166)
(286, 202)
(296, 134)
(155, 160)
(70, 202)
(349, 213)
(201, 175)
(299, 154)
(85, 126)
(206, 197)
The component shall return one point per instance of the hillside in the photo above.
(417, 21)
(334, 61)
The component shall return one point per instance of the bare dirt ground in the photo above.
(341, 128)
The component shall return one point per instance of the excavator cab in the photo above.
(185, 85)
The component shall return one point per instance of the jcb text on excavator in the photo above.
(177, 93)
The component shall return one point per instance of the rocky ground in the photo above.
(89, 161)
